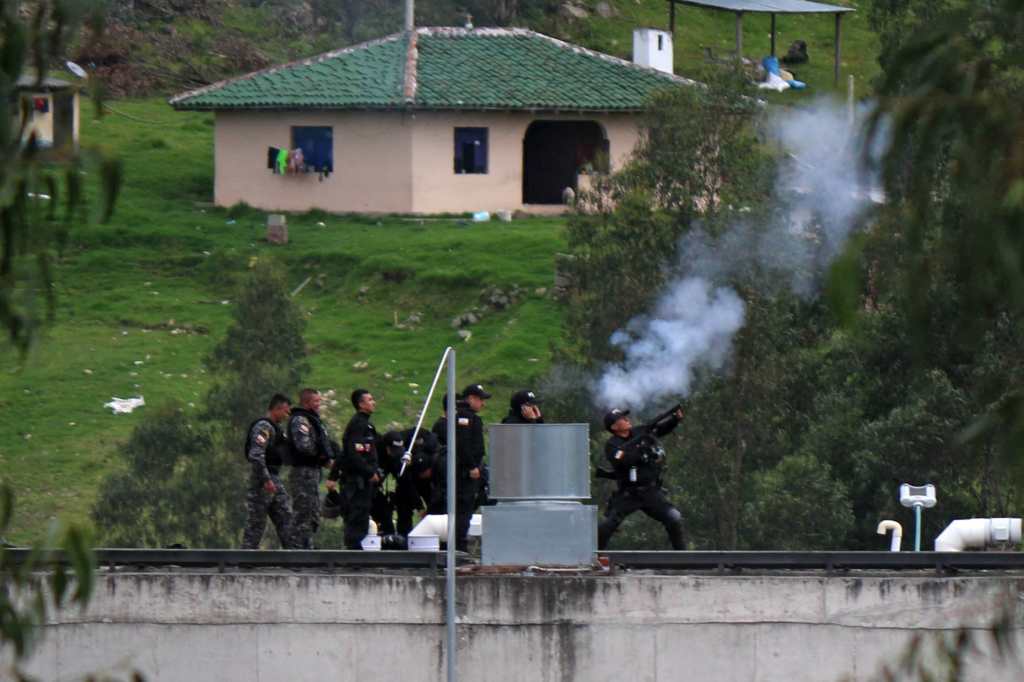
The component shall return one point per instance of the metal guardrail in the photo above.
(247, 558)
(829, 561)
(675, 561)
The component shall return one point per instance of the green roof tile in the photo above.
(454, 69)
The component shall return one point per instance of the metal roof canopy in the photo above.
(772, 7)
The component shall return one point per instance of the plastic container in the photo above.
(424, 543)
(371, 543)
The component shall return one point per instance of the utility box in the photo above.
(540, 477)
(653, 47)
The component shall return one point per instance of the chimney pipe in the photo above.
(410, 12)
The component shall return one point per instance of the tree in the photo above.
(184, 481)
(32, 229)
(698, 154)
(954, 172)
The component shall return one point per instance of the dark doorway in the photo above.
(554, 152)
(63, 119)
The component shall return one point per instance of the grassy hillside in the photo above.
(144, 298)
(211, 41)
(698, 28)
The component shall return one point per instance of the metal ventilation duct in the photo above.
(539, 475)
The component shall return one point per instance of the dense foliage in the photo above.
(911, 375)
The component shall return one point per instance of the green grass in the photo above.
(697, 28)
(168, 261)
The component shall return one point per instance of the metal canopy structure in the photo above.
(772, 7)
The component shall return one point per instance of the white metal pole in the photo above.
(450, 568)
(410, 15)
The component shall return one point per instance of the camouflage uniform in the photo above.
(310, 446)
(263, 452)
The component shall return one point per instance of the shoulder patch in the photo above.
(463, 421)
(620, 454)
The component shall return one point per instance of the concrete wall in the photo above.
(387, 161)
(304, 626)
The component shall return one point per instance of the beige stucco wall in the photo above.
(371, 162)
(438, 189)
(388, 161)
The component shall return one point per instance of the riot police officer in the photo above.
(638, 459)
(469, 456)
(358, 468)
(523, 409)
(437, 503)
(310, 450)
(414, 487)
(265, 447)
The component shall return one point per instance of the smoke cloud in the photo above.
(822, 191)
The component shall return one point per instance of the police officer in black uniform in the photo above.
(310, 450)
(358, 468)
(437, 503)
(469, 456)
(414, 487)
(389, 461)
(637, 460)
(265, 449)
(523, 409)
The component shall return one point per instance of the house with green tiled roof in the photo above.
(430, 120)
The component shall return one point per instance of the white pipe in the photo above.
(964, 534)
(407, 456)
(432, 524)
(410, 15)
(897, 533)
(437, 524)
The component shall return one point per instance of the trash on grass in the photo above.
(125, 405)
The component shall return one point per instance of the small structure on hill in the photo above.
(428, 120)
(770, 7)
(48, 112)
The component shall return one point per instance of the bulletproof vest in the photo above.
(652, 462)
(276, 449)
(321, 443)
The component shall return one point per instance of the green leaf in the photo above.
(844, 287)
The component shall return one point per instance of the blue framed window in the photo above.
(470, 150)
(317, 144)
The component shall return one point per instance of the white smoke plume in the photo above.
(821, 193)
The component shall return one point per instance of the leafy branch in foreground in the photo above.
(35, 583)
(35, 183)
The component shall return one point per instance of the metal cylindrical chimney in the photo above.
(410, 14)
(540, 474)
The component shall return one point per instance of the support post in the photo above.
(450, 554)
(739, 37)
(772, 53)
(839, 36)
(672, 17)
(410, 14)
(850, 106)
(917, 528)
